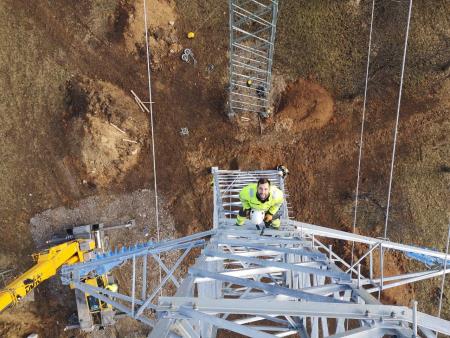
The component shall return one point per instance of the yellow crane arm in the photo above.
(47, 264)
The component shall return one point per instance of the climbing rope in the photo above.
(362, 127)
(397, 119)
(152, 129)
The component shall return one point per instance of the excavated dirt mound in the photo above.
(106, 130)
(162, 32)
(305, 105)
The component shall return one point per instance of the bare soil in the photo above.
(106, 130)
(66, 74)
(305, 106)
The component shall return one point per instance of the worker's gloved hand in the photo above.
(268, 218)
(244, 213)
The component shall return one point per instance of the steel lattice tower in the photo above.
(274, 283)
(252, 38)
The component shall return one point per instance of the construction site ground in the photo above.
(75, 147)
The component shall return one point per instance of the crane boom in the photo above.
(47, 264)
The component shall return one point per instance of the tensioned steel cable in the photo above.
(397, 119)
(362, 127)
(147, 44)
(443, 276)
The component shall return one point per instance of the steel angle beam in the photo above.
(248, 272)
(254, 237)
(111, 295)
(289, 267)
(87, 289)
(118, 256)
(169, 274)
(294, 251)
(375, 331)
(390, 315)
(265, 253)
(338, 234)
(225, 324)
(271, 289)
(287, 308)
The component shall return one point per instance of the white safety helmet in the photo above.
(257, 216)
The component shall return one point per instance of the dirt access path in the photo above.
(66, 66)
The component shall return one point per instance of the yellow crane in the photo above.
(78, 245)
(47, 264)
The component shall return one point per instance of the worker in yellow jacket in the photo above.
(264, 197)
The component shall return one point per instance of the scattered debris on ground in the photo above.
(106, 130)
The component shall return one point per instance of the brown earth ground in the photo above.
(66, 74)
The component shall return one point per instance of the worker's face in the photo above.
(263, 190)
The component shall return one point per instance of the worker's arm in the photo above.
(244, 196)
(47, 265)
(277, 201)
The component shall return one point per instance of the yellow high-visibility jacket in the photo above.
(250, 201)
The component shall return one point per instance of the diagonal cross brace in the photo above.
(225, 324)
(294, 251)
(272, 289)
(287, 266)
(90, 290)
(169, 275)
